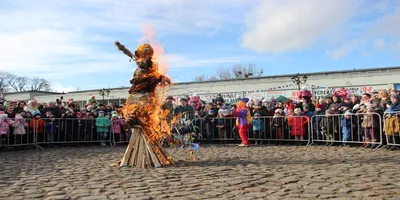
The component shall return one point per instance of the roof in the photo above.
(30, 91)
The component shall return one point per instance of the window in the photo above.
(397, 86)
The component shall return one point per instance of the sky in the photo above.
(71, 43)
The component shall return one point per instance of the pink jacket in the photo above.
(19, 127)
(116, 126)
(198, 101)
(5, 126)
(341, 93)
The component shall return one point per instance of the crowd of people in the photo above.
(336, 117)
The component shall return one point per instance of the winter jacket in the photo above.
(51, 127)
(370, 121)
(342, 94)
(298, 125)
(5, 126)
(328, 124)
(346, 126)
(37, 125)
(116, 125)
(394, 107)
(391, 126)
(258, 124)
(19, 127)
(198, 102)
(103, 124)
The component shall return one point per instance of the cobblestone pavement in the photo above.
(222, 172)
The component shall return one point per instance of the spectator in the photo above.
(32, 107)
(347, 127)
(209, 124)
(218, 99)
(336, 104)
(5, 124)
(102, 124)
(10, 112)
(370, 123)
(19, 127)
(196, 98)
(51, 128)
(355, 100)
(37, 126)
(167, 105)
(223, 124)
(307, 111)
(51, 107)
(385, 99)
(184, 108)
(298, 124)
(91, 100)
(304, 93)
(366, 98)
(277, 124)
(341, 92)
(116, 125)
(20, 107)
(258, 128)
(328, 127)
(1, 106)
(395, 106)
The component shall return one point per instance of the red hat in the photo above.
(291, 107)
(319, 106)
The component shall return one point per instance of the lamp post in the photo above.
(298, 80)
(104, 92)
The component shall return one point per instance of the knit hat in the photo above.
(319, 106)
(347, 113)
(100, 111)
(195, 94)
(257, 114)
(211, 112)
(297, 110)
(115, 115)
(36, 114)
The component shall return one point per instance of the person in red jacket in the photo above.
(37, 126)
(298, 124)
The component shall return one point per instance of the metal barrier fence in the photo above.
(318, 129)
(357, 128)
(391, 127)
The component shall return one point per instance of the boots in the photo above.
(373, 146)
(367, 143)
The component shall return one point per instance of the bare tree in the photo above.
(18, 83)
(246, 71)
(39, 84)
(203, 77)
(225, 74)
(4, 83)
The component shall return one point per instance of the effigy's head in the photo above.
(144, 51)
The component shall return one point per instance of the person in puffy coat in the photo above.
(5, 124)
(298, 124)
(347, 127)
(370, 124)
(197, 99)
(116, 125)
(19, 129)
(103, 124)
(258, 128)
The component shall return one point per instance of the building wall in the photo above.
(321, 84)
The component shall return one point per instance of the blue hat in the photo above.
(36, 114)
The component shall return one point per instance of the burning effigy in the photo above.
(143, 113)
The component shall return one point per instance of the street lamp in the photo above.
(104, 92)
(297, 80)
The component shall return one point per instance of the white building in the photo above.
(321, 84)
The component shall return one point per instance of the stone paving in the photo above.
(221, 172)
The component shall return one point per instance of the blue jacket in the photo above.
(394, 107)
(346, 125)
(258, 124)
